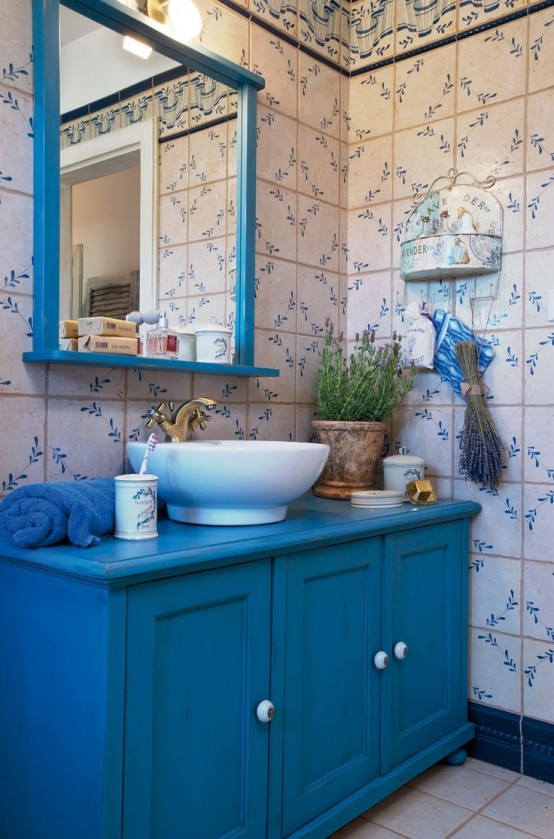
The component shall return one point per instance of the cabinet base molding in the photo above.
(514, 742)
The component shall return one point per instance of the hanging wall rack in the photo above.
(454, 231)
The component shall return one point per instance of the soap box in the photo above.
(69, 329)
(68, 344)
(107, 326)
(108, 343)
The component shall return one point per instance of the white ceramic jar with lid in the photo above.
(399, 469)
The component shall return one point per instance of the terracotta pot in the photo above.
(355, 450)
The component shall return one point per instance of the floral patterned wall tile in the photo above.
(370, 172)
(495, 668)
(276, 221)
(318, 299)
(429, 433)
(320, 103)
(510, 192)
(371, 36)
(540, 131)
(277, 148)
(277, 61)
(320, 27)
(26, 461)
(537, 605)
(537, 285)
(369, 239)
(224, 31)
(489, 139)
(475, 13)
(87, 382)
(420, 25)
(541, 52)
(538, 447)
(270, 421)
(16, 246)
(276, 294)
(149, 387)
(483, 83)
(371, 105)
(70, 422)
(277, 350)
(308, 351)
(496, 598)
(540, 206)
(425, 88)
(318, 240)
(17, 63)
(538, 359)
(538, 685)
(16, 137)
(281, 14)
(537, 520)
(318, 165)
(434, 144)
(498, 527)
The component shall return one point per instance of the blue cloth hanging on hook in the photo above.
(451, 331)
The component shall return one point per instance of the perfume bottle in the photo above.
(156, 338)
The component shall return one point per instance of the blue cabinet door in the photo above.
(331, 701)
(425, 585)
(196, 755)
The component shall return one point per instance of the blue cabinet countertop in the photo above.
(184, 547)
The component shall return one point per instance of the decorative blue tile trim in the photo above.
(518, 743)
(538, 749)
(497, 737)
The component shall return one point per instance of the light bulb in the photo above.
(184, 18)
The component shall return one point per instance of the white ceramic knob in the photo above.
(265, 711)
(400, 649)
(380, 660)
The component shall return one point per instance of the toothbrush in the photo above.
(150, 446)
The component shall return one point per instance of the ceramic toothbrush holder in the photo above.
(136, 506)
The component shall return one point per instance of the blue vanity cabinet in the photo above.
(352, 730)
(131, 674)
(331, 736)
(424, 684)
(196, 754)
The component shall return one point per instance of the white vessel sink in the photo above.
(228, 482)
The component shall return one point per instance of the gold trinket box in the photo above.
(421, 492)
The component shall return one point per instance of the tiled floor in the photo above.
(473, 801)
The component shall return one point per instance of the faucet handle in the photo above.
(156, 415)
(199, 419)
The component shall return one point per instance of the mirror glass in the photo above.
(144, 181)
(148, 182)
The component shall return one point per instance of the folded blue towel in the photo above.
(36, 515)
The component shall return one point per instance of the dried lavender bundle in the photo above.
(481, 456)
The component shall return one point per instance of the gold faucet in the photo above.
(182, 421)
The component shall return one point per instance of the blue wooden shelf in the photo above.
(135, 362)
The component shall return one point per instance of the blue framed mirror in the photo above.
(60, 124)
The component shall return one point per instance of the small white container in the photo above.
(213, 343)
(400, 469)
(186, 346)
(136, 506)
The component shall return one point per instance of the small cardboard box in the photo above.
(69, 329)
(68, 344)
(107, 326)
(109, 344)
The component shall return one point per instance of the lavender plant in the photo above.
(366, 386)
(481, 449)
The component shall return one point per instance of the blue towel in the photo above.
(450, 331)
(36, 515)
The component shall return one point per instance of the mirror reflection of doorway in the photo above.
(108, 224)
(105, 224)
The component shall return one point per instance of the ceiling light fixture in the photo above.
(181, 15)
